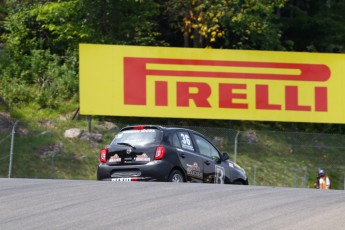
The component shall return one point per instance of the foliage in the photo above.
(254, 25)
(40, 60)
(124, 22)
(316, 26)
(40, 77)
(227, 24)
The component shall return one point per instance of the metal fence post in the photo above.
(89, 124)
(305, 179)
(235, 147)
(254, 179)
(11, 150)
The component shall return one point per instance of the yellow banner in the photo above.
(211, 84)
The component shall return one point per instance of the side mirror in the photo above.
(225, 156)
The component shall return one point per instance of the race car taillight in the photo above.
(160, 151)
(103, 155)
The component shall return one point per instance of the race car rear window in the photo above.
(138, 137)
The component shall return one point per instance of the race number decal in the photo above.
(186, 142)
(219, 176)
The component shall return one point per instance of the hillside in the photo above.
(41, 148)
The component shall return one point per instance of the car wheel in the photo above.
(176, 176)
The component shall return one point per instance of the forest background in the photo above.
(39, 38)
(39, 75)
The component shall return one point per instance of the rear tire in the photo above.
(239, 182)
(176, 176)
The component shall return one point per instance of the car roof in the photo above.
(160, 127)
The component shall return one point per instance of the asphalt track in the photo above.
(79, 204)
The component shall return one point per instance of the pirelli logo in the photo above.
(211, 84)
(136, 72)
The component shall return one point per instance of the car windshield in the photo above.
(138, 137)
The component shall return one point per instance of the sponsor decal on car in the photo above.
(142, 157)
(115, 158)
(219, 175)
(186, 141)
(194, 170)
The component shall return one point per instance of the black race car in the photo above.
(156, 153)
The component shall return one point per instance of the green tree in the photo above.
(238, 24)
(33, 67)
(253, 24)
(316, 26)
(40, 63)
(124, 22)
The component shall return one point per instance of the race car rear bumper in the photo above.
(152, 171)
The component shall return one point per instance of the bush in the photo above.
(40, 77)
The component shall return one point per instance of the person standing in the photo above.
(322, 180)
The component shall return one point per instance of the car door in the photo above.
(215, 170)
(189, 158)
